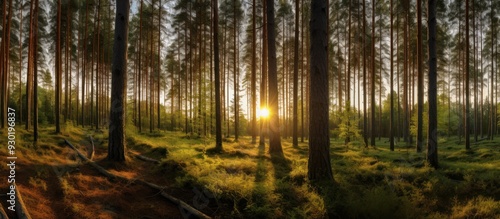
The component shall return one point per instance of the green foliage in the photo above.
(348, 127)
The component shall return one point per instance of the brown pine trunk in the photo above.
(274, 129)
(372, 142)
(263, 83)
(467, 69)
(58, 68)
(391, 119)
(432, 140)
(319, 166)
(117, 143)
(420, 79)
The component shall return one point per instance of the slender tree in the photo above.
(215, 40)
(365, 88)
(35, 72)
(254, 76)
(116, 147)
(58, 68)
(467, 69)
(274, 129)
(295, 139)
(432, 157)
(372, 131)
(420, 78)
(263, 82)
(391, 119)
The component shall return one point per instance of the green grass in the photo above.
(369, 183)
(246, 182)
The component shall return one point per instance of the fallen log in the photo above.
(172, 199)
(21, 210)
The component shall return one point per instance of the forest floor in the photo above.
(246, 182)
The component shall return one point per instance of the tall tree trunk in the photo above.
(420, 79)
(295, 140)
(348, 77)
(67, 69)
(160, 7)
(98, 65)
(391, 119)
(319, 166)
(467, 69)
(372, 131)
(58, 68)
(492, 106)
(365, 119)
(253, 77)
(432, 157)
(21, 64)
(29, 76)
(35, 73)
(116, 148)
(139, 78)
(263, 83)
(274, 128)
(215, 32)
(235, 72)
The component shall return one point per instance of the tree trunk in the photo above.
(391, 119)
(432, 157)
(467, 69)
(116, 148)
(35, 73)
(274, 128)
(253, 78)
(215, 32)
(365, 119)
(58, 68)
(295, 140)
(319, 167)
(420, 79)
(263, 83)
(372, 131)
(29, 76)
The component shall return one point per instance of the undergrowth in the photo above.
(368, 183)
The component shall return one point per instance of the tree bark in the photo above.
(215, 32)
(263, 83)
(391, 119)
(274, 128)
(116, 148)
(319, 166)
(420, 79)
(432, 157)
(467, 69)
(372, 131)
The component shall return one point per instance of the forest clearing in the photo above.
(249, 109)
(245, 182)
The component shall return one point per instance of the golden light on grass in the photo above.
(263, 113)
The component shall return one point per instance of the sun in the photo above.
(263, 113)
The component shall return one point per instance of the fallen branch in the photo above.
(21, 210)
(144, 158)
(90, 149)
(3, 215)
(172, 199)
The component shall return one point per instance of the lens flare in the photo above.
(263, 113)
